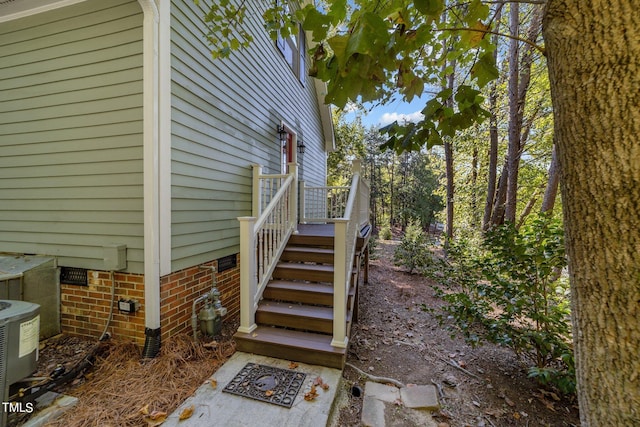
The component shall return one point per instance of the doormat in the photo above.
(266, 383)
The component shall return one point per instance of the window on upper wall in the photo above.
(293, 48)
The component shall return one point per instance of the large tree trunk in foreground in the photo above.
(594, 67)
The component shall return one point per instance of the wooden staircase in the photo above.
(295, 316)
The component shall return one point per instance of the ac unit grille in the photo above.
(3, 362)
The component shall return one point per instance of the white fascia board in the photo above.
(20, 9)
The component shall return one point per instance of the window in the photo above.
(293, 48)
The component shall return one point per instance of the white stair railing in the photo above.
(348, 209)
(263, 237)
(347, 230)
(320, 204)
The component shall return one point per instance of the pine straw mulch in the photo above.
(121, 383)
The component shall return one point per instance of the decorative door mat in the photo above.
(266, 383)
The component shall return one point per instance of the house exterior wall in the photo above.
(179, 289)
(85, 309)
(224, 118)
(71, 133)
(71, 152)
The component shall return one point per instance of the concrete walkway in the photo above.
(383, 405)
(212, 407)
(407, 406)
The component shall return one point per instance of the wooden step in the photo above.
(299, 292)
(312, 318)
(307, 254)
(302, 292)
(305, 347)
(309, 272)
(311, 240)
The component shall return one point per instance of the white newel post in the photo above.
(256, 202)
(248, 278)
(340, 285)
(293, 202)
(302, 198)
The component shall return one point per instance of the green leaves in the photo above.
(429, 7)
(508, 292)
(225, 29)
(369, 36)
(484, 70)
(372, 51)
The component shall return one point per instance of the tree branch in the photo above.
(528, 42)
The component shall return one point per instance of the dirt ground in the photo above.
(395, 338)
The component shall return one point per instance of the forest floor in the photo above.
(397, 337)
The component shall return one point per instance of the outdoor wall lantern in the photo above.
(283, 134)
(301, 146)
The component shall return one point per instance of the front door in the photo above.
(287, 152)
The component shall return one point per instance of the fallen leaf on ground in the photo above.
(155, 418)
(269, 393)
(186, 413)
(320, 382)
(311, 394)
(293, 365)
(145, 409)
(214, 383)
(157, 415)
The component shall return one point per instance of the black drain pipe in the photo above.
(151, 343)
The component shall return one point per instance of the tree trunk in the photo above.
(513, 150)
(519, 82)
(475, 213)
(497, 217)
(448, 159)
(493, 134)
(593, 49)
(549, 200)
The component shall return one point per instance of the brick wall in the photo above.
(178, 290)
(85, 309)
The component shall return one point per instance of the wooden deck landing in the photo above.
(324, 230)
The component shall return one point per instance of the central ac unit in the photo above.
(19, 340)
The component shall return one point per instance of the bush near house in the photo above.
(508, 291)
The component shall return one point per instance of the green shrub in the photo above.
(510, 293)
(385, 232)
(413, 251)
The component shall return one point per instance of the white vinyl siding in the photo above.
(71, 133)
(224, 118)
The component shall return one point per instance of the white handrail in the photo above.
(345, 239)
(262, 241)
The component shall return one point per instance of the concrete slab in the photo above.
(212, 407)
(49, 406)
(420, 397)
(384, 392)
(372, 412)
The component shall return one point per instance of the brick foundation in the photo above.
(179, 289)
(85, 309)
